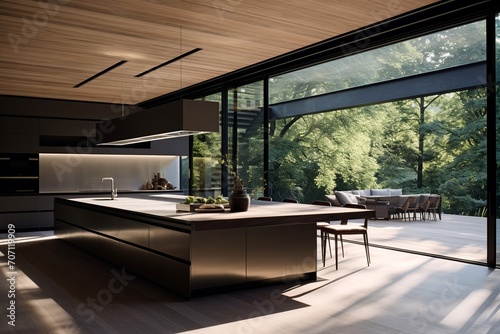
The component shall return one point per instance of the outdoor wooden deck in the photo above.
(456, 236)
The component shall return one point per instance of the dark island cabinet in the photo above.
(190, 253)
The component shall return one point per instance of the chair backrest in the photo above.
(356, 206)
(290, 200)
(413, 201)
(426, 205)
(406, 204)
(325, 203)
(434, 201)
(265, 198)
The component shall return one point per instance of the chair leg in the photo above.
(367, 249)
(321, 242)
(323, 246)
(329, 246)
(336, 253)
(341, 245)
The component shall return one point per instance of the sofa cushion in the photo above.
(346, 197)
(395, 192)
(362, 192)
(333, 200)
(380, 192)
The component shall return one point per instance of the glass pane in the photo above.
(184, 175)
(428, 145)
(206, 160)
(246, 129)
(449, 48)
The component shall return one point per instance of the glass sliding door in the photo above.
(414, 119)
(246, 136)
(207, 175)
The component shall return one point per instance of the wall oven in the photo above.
(18, 173)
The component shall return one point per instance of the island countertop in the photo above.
(162, 207)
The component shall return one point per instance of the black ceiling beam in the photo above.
(432, 83)
(425, 20)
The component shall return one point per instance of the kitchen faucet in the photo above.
(114, 192)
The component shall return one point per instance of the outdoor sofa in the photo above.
(383, 201)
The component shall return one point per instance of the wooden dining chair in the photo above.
(409, 208)
(433, 207)
(344, 228)
(424, 208)
(265, 198)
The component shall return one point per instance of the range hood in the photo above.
(174, 119)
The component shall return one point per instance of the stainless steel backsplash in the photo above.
(83, 172)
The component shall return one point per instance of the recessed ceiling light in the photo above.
(100, 73)
(168, 62)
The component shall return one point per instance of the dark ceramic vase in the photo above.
(239, 201)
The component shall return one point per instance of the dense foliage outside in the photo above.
(380, 147)
(427, 144)
(449, 48)
(207, 168)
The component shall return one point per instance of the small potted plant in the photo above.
(239, 200)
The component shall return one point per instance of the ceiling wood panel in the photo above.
(46, 49)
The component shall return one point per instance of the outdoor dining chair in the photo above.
(409, 208)
(433, 206)
(424, 208)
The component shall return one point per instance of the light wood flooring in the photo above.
(399, 293)
(455, 236)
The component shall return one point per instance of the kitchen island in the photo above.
(195, 253)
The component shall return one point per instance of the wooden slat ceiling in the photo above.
(48, 47)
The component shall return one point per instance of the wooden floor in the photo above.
(461, 237)
(60, 289)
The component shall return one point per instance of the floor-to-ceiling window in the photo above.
(245, 133)
(206, 164)
(214, 163)
(409, 116)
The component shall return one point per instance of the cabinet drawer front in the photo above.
(80, 217)
(124, 229)
(170, 242)
(18, 203)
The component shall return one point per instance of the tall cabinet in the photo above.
(23, 141)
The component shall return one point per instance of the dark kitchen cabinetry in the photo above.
(19, 173)
(76, 136)
(19, 135)
(25, 212)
